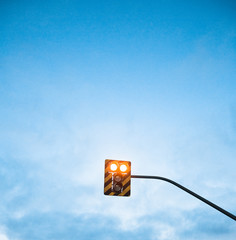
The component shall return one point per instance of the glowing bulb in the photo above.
(123, 168)
(113, 167)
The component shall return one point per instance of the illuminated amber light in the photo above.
(117, 178)
(123, 168)
(113, 167)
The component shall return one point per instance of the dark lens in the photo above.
(117, 187)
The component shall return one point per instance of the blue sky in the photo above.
(152, 82)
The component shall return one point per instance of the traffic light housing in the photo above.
(117, 178)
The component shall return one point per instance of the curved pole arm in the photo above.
(190, 192)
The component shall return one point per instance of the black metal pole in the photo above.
(190, 192)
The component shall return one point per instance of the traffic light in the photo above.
(117, 178)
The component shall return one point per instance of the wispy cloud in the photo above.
(140, 84)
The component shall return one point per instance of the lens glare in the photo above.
(123, 168)
(113, 167)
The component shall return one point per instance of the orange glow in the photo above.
(123, 167)
(113, 167)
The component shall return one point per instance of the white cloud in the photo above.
(181, 143)
(163, 231)
(3, 237)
